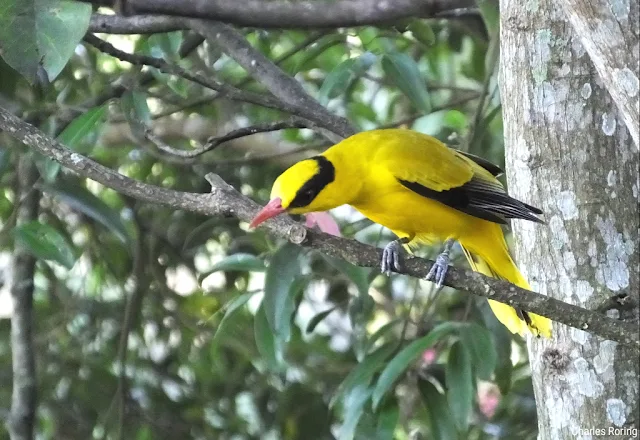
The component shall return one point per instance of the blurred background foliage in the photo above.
(157, 324)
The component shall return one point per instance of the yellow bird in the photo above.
(424, 192)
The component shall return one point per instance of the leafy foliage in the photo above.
(228, 333)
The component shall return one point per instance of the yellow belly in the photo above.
(410, 215)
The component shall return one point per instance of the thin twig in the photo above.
(454, 103)
(214, 142)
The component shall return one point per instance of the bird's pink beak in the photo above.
(273, 208)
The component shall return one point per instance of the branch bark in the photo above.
(138, 24)
(281, 85)
(223, 200)
(608, 30)
(583, 174)
(305, 14)
(24, 393)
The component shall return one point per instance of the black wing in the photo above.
(479, 198)
(484, 163)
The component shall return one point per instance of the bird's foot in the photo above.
(439, 270)
(392, 258)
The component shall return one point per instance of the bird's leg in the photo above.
(392, 256)
(439, 269)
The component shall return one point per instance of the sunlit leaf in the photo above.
(442, 425)
(405, 74)
(45, 242)
(80, 198)
(459, 385)
(397, 366)
(80, 127)
(41, 33)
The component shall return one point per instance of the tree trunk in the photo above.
(570, 153)
(23, 398)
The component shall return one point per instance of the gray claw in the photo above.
(391, 258)
(439, 270)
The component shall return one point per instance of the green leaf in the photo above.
(230, 310)
(48, 168)
(406, 356)
(80, 198)
(45, 242)
(278, 296)
(81, 126)
(266, 342)
(403, 71)
(459, 385)
(363, 372)
(240, 262)
(442, 425)
(503, 340)
(168, 42)
(381, 332)
(144, 433)
(136, 111)
(388, 417)
(423, 32)
(362, 110)
(35, 33)
(5, 159)
(317, 319)
(490, 12)
(479, 343)
(360, 311)
(340, 78)
(354, 407)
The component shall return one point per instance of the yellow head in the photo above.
(307, 186)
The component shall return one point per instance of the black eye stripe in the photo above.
(312, 187)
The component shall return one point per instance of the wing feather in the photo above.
(462, 181)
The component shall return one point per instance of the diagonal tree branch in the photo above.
(299, 14)
(281, 85)
(610, 36)
(24, 393)
(223, 200)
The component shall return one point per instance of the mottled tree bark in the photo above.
(608, 30)
(23, 400)
(569, 152)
